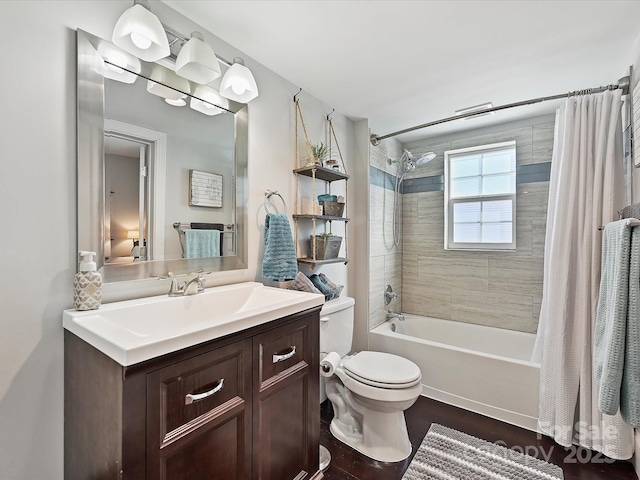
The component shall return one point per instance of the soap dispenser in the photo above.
(87, 284)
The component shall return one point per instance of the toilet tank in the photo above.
(336, 326)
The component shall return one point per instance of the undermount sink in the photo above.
(136, 330)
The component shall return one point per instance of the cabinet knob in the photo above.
(196, 397)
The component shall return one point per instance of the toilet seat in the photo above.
(382, 370)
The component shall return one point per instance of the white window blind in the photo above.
(480, 197)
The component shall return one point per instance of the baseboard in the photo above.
(507, 416)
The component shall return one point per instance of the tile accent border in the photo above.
(530, 173)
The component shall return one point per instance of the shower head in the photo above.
(424, 158)
(412, 161)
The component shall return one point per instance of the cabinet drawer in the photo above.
(281, 349)
(194, 392)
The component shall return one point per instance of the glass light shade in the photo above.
(139, 32)
(238, 83)
(208, 101)
(181, 102)
(119, 63)
(197, 62)
(166, 84)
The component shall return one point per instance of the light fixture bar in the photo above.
(237, 84)
(177, 36)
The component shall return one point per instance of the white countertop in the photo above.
(133, 331)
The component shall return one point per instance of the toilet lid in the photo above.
(382, 370)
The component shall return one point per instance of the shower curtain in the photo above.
(585, 192)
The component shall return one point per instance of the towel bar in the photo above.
(267, 195)
(632, 222)
(181, 227)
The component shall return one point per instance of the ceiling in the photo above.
(405, 63)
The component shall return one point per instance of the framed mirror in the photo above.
(141, 137)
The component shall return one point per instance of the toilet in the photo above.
(369, 391)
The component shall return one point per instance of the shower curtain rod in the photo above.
(623, 84)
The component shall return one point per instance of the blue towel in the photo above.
(279, 262)
(201, 243)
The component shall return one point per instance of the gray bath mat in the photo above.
(446, 454)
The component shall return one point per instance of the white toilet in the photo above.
(369, 391)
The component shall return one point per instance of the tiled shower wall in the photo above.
(501, 289)
(385, 259)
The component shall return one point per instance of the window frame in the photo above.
(450, 202)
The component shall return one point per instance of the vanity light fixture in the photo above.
(197, 62)
(119, 65)
(139, 32)
(181, 102)
(238, 83)
(167, 84)
(206, 100)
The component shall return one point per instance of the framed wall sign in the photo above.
(205, 189)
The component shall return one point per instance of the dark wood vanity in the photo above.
(245, 406)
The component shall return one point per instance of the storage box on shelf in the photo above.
(322, 247)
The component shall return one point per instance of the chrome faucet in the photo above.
(191, 287)
(391, 315)
(389, 295)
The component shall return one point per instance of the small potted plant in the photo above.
(319, 153)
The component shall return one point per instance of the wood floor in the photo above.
(347, 464)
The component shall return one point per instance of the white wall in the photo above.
(122, 187)
(38, 206)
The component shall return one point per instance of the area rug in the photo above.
(446, 454)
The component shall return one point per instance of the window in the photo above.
(480, 198)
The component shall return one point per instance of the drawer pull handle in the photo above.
(196, 397)
(324, 319)
(281, 357)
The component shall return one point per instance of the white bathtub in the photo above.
(482, 369)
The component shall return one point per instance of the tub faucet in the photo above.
(191, 287)
(391, 315)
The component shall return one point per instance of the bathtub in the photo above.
(482, 369)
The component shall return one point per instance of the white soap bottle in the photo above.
(87, 284)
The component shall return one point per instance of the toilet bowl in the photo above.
(369, 391)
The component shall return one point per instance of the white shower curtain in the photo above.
(585, 192)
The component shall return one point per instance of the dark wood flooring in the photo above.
(347, 464)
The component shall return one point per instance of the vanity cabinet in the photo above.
(194, 408)
(240, 407)
(283, 403)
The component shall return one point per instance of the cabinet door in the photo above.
(199, 417)
(286, 418)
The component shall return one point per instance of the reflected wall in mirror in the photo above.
(193, 141)
(135, 152)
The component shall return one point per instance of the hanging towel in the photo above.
(630, 391)
(201, 243)
(611, 315)
(279, 262)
